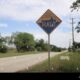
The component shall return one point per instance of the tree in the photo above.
(78, 27)
(24, 41)
(3, 47)
(77, 45)
(8, 40)
(55, 48)
(76, 6)
(41, 45)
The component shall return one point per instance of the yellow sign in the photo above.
(48, 21)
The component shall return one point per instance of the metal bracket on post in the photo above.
(49, 51)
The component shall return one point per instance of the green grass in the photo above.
(13, 52)
(58, 65)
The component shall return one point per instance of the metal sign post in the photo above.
(49, 51)
(48, 22)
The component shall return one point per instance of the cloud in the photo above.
(60, 38)
(20, 9)
(3, 25)
(32, 9)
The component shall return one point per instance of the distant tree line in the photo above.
(25, 42)
(3, 47)
(76, 46)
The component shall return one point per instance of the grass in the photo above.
(13, 52)
(58, 65)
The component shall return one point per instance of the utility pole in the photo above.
(69, 49)
(73, 43)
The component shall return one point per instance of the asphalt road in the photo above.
(16, 63)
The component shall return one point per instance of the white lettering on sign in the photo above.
(49, 23)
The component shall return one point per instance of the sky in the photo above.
(21, 16)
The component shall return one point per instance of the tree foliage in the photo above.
(41, 45)
(76, 5)
(24, 41)
(78, 27)
(3, 47)
(77, 45)
(55, 48)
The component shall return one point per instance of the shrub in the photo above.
(3, 49)
(24, 42)
(39, 49)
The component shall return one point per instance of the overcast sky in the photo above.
(21, 16)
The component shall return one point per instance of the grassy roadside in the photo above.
(13, 52)
(66, 62)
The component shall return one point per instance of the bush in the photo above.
(3, 49)
(39, 49)
(24, 42)
(56, 49)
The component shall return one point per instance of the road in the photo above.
(16, 63)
